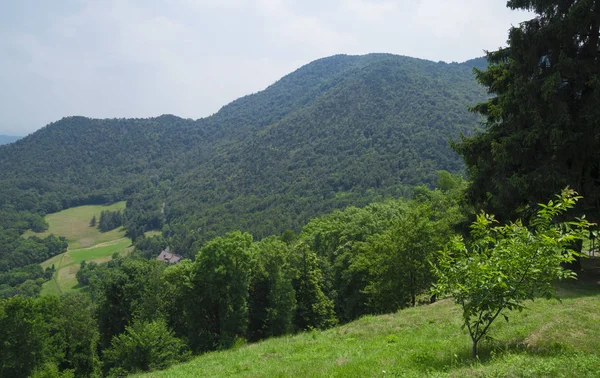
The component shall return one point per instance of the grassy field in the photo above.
(549, 339)
(74, 224)
(85, 243)
(67, 264)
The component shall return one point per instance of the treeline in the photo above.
(19, 255)
(109, 220)
(147, 315)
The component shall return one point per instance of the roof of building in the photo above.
(169, 257)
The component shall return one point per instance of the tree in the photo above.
(314, 309)
(31, 335)
(144, 346)
(272, 299)
(219, 296)
(502, 267)
(541, 123)
(81, 335)
(400, 258)
(93, 221)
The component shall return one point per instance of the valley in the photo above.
(372, 215)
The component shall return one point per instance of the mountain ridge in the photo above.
(342, 130)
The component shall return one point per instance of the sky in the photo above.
(144, 58)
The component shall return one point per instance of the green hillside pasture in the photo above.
(549, 339)
(68, 264)
(74, 224)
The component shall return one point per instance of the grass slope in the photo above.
(550, 338)
(74, 224)
(85, 243)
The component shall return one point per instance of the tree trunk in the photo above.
(474, 349)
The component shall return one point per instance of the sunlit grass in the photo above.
(85, 243)
(550, 338)
(74, 224)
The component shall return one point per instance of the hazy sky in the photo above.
(143, 58)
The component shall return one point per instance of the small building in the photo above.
(168, 257)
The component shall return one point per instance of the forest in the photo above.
(353, 186)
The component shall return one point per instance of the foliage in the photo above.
(43, 335)
(81, 336)
(341, 131)
(314, 309)
(110, 220)
(399, 260)
(550, 339)
(502, 267)
(542, 119)
(272, 298)
(144, 346)
(219, 291)
(124, 291)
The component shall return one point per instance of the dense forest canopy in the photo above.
(330, 195)
(344, 130)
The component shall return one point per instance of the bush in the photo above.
(144, 346)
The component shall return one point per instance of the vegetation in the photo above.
(310, 205)
(144, 346)
(341, 131)
(504, 266)
(541, 132)
(548, 339)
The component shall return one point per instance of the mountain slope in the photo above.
(549, 339)
(341, 130)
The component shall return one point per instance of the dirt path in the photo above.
(115, 241)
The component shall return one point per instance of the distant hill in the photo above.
(339, 131)
(5, 139)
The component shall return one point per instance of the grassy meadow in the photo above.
(549, 339)
(85, 243)
(74, 224)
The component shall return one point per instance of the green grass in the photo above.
(74, 224)
(67, 264)
(549, 339)
(85, 243)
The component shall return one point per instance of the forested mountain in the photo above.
(343, 130)
(5, 139)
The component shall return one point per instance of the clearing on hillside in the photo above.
(74, 224)
(85, 243)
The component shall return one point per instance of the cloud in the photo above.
(139, 58)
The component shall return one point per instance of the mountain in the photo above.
(343, 130)
(6, 139)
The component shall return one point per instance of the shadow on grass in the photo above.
(81, 288)
(587, 284)
(488, 350)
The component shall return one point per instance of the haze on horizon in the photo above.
(139, 58)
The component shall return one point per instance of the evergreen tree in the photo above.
(542, 122)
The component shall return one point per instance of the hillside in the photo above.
(550, 338)
(5, 139)
(339, 131)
